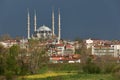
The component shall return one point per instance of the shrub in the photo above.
(116, 72)
(91, 68)
(65, 67)
(9, 75)
(116, 69)
(108, 67)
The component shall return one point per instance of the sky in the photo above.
(98, 19)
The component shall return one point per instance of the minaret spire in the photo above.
(35, 21)
(28, 27)
(53, 33)
(59, 26)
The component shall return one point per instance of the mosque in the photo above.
(43, 32)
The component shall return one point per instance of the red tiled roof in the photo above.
(59, 45)
(69, 46)
(69, 57)
(57, 58)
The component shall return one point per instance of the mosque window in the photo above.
(49, 31)
(42, 31)
(45, 31)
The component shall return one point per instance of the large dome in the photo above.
(44, 28)
(43, 32)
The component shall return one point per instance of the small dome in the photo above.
(44, 28)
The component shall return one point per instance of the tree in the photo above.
(3, 52)
(5, 37)
(82, 47)
(12, 67)
(37, 55)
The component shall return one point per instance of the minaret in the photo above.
(59, 26)
(53, 33)
(28, 27)
(35, 22)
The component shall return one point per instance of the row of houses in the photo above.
(61, 49)
(103, 47)
(11, 42)
(65, 50)
(62, 52)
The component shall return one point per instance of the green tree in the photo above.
(12, 67)
(81, 47)
(3, 53)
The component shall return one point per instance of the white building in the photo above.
(113, 50)
(116, 50)
(60, 49)
(102, 50)
(89, 43)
